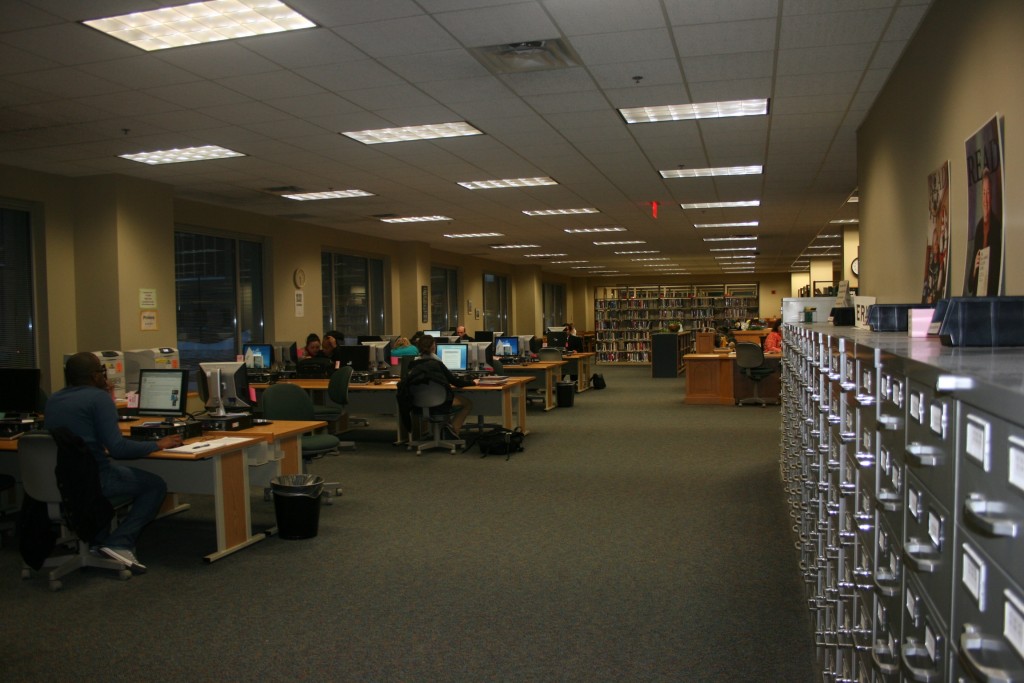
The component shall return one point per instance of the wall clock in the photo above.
(299, 278)
(855, 267)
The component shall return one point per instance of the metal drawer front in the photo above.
(930, 441)
(925, 639)
(928, 545)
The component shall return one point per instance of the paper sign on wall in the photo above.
(148, 320)
(147, 298)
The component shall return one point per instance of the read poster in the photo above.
(983, 275)
(936, 258)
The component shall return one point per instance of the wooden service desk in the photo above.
(548, 372)
(715, 379)
(755, 336)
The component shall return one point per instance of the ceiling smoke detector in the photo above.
(531, 55)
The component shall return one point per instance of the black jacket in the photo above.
(421, 371)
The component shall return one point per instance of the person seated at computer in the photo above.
(403, 347)
(773, 342)
(332, 340)
(312, 349)
(429, 368)
(460, 334)
(85, 408)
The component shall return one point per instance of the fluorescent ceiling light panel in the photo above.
(507, 182)
(331, 194)
(430, 131)
(734, 249)
(845, 221)
(733, 238)
(823, 246)
(828, 237)
(462, 235)
(709, 172)
(697, 110)
(587, 267)
(853, 200)
(639, 251)
(542, 255)
(177, 156)
(721, 205)
(514, 246)
(574, 231)
(661, 265)
(563, 262)
(415, 219)
(653, 258)
(201, 22)
(559, 212)
(605, 244)
(735, 258)
(743, 224)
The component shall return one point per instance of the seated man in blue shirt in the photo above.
(86, 409)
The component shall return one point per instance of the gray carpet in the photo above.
(636, 539)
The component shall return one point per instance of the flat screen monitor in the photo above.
(379, 350)
(557, 339)
(262, 354)
(286, 352)
(559, 328)
(483, 336)
(478, 354)
(162, 393)
(356, 356)
(224, 386)
(433, 333)
(524, 342)
(506, 346)
(454, 356)
(19, 390)
(363, 338)
(574, 343)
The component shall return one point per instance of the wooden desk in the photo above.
(755, 336)
(544, 371)
(582, 365)
(714, 379)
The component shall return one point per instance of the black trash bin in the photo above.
(297, 504)
(566, 392)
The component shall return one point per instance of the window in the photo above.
(497, 302)
(218, 282)
(353, 294)
(554, 304)
(17, 322)
(444, 298)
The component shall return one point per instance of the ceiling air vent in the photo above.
(532, 55)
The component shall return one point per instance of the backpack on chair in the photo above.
(597, 381)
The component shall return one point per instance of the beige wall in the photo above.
(961, 68)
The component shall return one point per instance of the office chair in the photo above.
(291, 402)
(549, 353)
(7, 514)
(37, 459)
(337, 394)
(750, 360)
(424, 397)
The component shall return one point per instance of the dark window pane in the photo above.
(17, 328)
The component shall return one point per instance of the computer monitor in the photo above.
(574, 342)
(222, 386)
(285, 352)
(557, 339)
(506, 346)
(484, 335)
(19, 390)
(379, 351)
(356, 356)
(163, 393)
(262, 354)
(477, 358)
(524, 343)
(454, 356)
(363, 338)
(553, 328)
(433, 333)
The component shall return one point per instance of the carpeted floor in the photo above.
(636, 539)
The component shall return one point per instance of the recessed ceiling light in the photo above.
(507, 182)
(707, 172)
(639, 251)
(853, 200)
(721, 205)
(661, 265)
(514, 246)
(461, 235)
(330, 194)
(734, 249)
(828, 237)
(605, 244)
(845, 221)
(745, 223)
(587, 267)
(201, 22)
(735, 258)
(732, 238)
(823, 246)
(542, 255)
(653, 258)
(564, 262)
(559, 212)
(573, 231)
(430, 131)
(698, 110)
(415, 219)
(177, 156)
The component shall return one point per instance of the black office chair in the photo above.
(291, 402)
(750, 360)
(337, 394)
(426, 397)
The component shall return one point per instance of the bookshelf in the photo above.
(626, 317)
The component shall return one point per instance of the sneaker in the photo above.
(125, 557)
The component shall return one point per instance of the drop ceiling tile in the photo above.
(317, 47)
(197, 95)
(904, 22)
(436, 66)
(394, 37)
(624, 46)
(655, 73)
(389, 97)
(568, 102)
(272, 85)
(550, 82)
(604, 16)
(740, 89)
(725, 38)
(688, 12)
(818, 30)
(350, 76)
(217, 60)
(835, 59)
(513, 23)
(737, 65)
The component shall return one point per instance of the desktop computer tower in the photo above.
(142, 359)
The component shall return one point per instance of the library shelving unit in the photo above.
(626, 317)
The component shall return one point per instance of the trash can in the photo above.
(297, 504)
(566, 392)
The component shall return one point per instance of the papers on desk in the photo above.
(200, 446)
(496, 379)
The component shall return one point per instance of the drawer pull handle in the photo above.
(920, 455)
(921, 557)
(974, 646)
(990, 517)
(916, 673)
